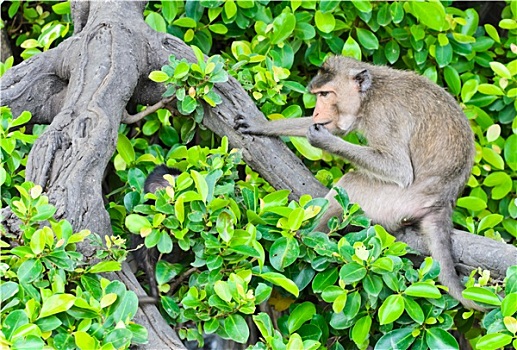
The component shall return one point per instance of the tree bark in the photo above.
(82, 89)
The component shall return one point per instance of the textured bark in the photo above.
(5, 47)
(82, 89)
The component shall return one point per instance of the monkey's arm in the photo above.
(384, 165)
(281, 127)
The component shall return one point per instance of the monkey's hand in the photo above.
(319, 136)
(248, 125)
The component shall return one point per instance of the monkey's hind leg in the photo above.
(437, 229)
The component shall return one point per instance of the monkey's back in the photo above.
(437, 133)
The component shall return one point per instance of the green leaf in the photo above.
(156, 21)
(391, 309)
(281, 281)
(423, 290)
(182, 69)
(306, 149)
(414, 310)
(471, 203)
(339, 302)
(284, 252)
(493, 158)
(264, 324)
(367, 39)
(295, 342)
(324, 279)
(230, 9)
(283, 26)
(362, 5)
(397, 339)
(304, 31)
(188, 105)
(493, 341)
(482, 295)
(158, 76)
(13, 321)
(351, 49)
(201, 185)
(352, 272)
(301, 314)
(135, 223)
(105, 266)
(185, 22)
(218, 28)
(439, 339)
(125, 149)
(224, 226)
(501, 70)
(84, 341)
(490, 89)
(222, 290)
(30, 270)
(489, 221)
(37, 242)
(7, 290)
(444, 55)
(509, 304)
(56, 303)
(510, 152)
(295, 219)
(361, 330)
(325, 22)
(384, 15)
(469, 89)
(62, 8)
(392, 51)
(452, 78)
(23, 118)
(276, 199)
(237, 328)
(431, 14)
(492, 32)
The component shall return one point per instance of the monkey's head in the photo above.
(340, 86)
(156, 179)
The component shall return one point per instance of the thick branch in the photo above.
(34, 85)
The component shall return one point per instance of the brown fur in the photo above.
(419, 155)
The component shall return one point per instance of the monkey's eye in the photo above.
(323, 93)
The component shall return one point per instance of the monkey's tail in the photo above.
(437, 228)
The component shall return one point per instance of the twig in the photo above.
(133, 118)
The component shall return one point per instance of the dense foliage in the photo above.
(240, 242)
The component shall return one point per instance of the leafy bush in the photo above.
(241, 243)
(50, 294)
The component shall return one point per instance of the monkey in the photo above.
(146, 258)
(418, 157)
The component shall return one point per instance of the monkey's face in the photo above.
(336, 106)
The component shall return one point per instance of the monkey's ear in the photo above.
(362, 78)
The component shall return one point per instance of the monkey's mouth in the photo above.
(325, 123)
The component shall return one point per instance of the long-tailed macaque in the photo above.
(146, 258)
(418, 158)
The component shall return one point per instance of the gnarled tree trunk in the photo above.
(82, 89)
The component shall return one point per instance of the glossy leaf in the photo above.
(301, 314)
(439, 339)
(493, 341)
(423, 290)
(237, 328)
(281, 281)
(352, 272)
(482, 295)
(398, 339)
(56, 303)
(391, 309)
